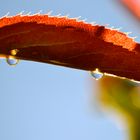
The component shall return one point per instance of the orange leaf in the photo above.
(69, 42)
(133, 6)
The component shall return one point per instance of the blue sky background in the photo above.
(45, 102)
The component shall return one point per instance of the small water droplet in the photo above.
(14, 52)
(12, 61)
(96, 74)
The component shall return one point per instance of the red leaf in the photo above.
(71, 43)
(133, 6)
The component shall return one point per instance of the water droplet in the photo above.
(12, 61)
(96, 74)
(14, 52)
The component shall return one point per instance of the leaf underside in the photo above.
(69, 42)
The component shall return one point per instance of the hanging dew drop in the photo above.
(96, 74)
(12, 61)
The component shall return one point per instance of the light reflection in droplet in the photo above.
(14, 52)
(96, 74)
(12, 61)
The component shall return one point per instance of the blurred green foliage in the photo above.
(122, 98)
